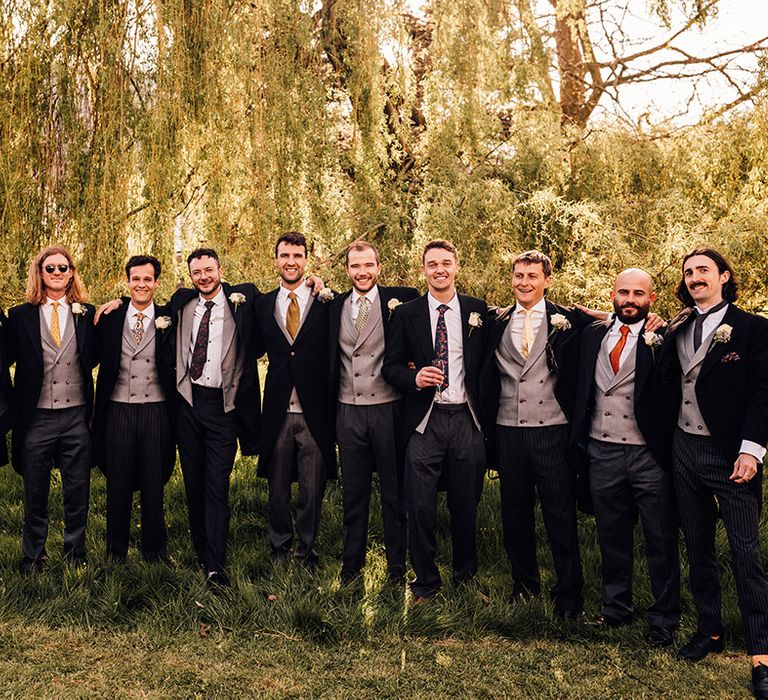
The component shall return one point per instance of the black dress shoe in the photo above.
(569, 615)
(28, 567)
(658, 636)
(610, 622)
(760, 682)
(698, 646)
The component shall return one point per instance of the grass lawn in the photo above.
(140, 630)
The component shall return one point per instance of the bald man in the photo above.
(618, 422)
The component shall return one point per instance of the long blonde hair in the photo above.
(76, 292)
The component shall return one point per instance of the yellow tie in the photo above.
(528, 338)
(55, 330)
(292, 317)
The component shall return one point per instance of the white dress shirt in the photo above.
(63, 313)
(538, 314)
(211, 376)
(614, 335)
(708, 327)
(354, 299)
(302, 293)
(455, 392)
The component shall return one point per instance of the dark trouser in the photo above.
(367, 444)
(530, 460)
(136, 439)
(451, 449)
(295, 449)
(64, 433)
(207, 447)
(625, 480)
(701, 476)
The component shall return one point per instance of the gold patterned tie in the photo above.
(55, 329)
(527, 336)
(362, 315)
(292, 317)
(138, 331)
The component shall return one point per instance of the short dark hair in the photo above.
(292, 238)
(730, 288)
(139, 260)
(361, 245)
(533, 257)
(442, 245)
(198, 253)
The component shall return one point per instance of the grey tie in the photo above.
(699, 323)
(362, 315)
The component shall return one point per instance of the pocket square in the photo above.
(731, 357)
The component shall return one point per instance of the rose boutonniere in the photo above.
(163, 323)
(722, 335)
(559, 323)
(653, 341)
(325, 295)
(236, 298)
(78, 310)
(475, 321)
(392, 304)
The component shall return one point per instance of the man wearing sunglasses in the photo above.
(52, 341)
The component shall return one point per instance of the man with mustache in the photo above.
(368, 410)
(713, 373)
(617, 417)
(296, 433)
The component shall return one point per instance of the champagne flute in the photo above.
(439, 364)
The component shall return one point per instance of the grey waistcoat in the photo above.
(294, 406)
(690, 419)
(613, 419)
(62, 382)
(360, 380)
(137, 380)
(527, 398)
(232, 359)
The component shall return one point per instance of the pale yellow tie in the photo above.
(292, 317)
(55, 329)
(527, 337)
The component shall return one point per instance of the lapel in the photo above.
(626, 368)
(715, 352)
(335, 315)
(423, 327)
(72, 332)
(116, 335)
(465, 344)
(45, 334)
(594, 352)
(311, 312)
(276, 319)
(502, 322)
(185, 328)
(685, 341)
(643, 362)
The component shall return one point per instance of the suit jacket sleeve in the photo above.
(396, 357)
(755, 426)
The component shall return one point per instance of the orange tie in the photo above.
(615, 354)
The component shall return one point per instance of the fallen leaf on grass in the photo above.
(204, 629)
(271, 597)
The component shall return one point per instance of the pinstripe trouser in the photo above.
(530, 460)
(702, 483)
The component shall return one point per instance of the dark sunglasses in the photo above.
(50, 269)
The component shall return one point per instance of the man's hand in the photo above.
(429, 376)
(107, 308)
(316, 283)
(744, 469)
(654, 322)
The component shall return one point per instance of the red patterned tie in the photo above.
(200, 352)
(615, 354)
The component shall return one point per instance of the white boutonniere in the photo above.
(163, 323)
(392, 304)
(722, 335)
(78, 310)
(559, 323)
(475, 321)
(653, 341)
(236, 298)
(325, 295)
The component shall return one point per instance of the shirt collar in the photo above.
(218, 300)
(714, 314)
(540, 306)
(453, 304)
(634, 328)
(61, 302)
(302, 291)
(149, 312)
(372, 294)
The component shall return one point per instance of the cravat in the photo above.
(138, 331)
(527, 338)
(698, 324)
(362, 315)
(55, 329)
(441, 344)
(292, 317)
(615, 354)
(200, 352)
